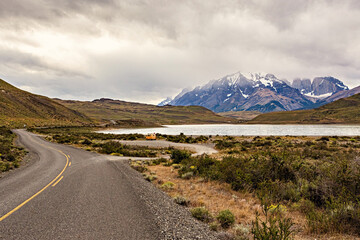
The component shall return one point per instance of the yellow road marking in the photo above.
(58, 181)
(69, 164)
(33, 196)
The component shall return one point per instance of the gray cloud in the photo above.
(145, 50)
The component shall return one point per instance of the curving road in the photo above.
(68, 193)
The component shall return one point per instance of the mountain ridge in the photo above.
(262, 92)
(117, 112)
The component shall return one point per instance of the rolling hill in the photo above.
(241, 115)
(342, 111)
(18, 107)
(116, 112)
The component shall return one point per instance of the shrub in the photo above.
(159, 160)
(242, 232)
(274, 227)
(187, 175)
(226, 218)
(214, 226)
(179, 155)
(201, 213)
(86, 142)
(181, 200)
(138, 167)
(176, 166)
(168, 185)
(150, 178)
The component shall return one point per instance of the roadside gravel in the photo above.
(175, 222)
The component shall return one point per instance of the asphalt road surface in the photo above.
(68, 193)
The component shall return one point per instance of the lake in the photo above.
(247, 130)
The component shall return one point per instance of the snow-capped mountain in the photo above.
(167, 101)
(320, 87)
(259, 92)
(244, 92)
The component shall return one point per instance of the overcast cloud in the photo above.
(146, 50)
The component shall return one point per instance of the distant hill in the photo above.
(342, 94)
(342, 111)
(137, 114)
(241, 115)
(18, 107)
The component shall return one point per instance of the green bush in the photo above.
(201, 213)
(274, 227)
(181, 200)
(179, 155)
(168, 185)
(214, 226)
(226, 218)
(140, 167)
(187, 175)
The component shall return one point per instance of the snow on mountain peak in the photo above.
(234, 77)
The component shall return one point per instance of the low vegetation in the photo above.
(10, 155)
(99, 142)
(181, 138)
(275, 226)
(315, 179)
(202, 214)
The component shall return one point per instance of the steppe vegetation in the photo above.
(297, 187)
(99, 142)
(10, 155)
(304, 187)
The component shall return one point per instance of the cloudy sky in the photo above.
(146, 50)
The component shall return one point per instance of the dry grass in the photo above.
(219, 196)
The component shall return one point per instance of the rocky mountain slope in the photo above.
(239, 92)
(259, 92)
(18, 107)
(320, 87)
(342, 111)
(341, 94)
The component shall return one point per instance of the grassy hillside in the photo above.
(18, 107)
(241, 115)
(343, 111)
(128, 113)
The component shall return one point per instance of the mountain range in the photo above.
(263, 93)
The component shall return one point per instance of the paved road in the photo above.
(68, 193)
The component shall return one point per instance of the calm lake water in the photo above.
(248, 130)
